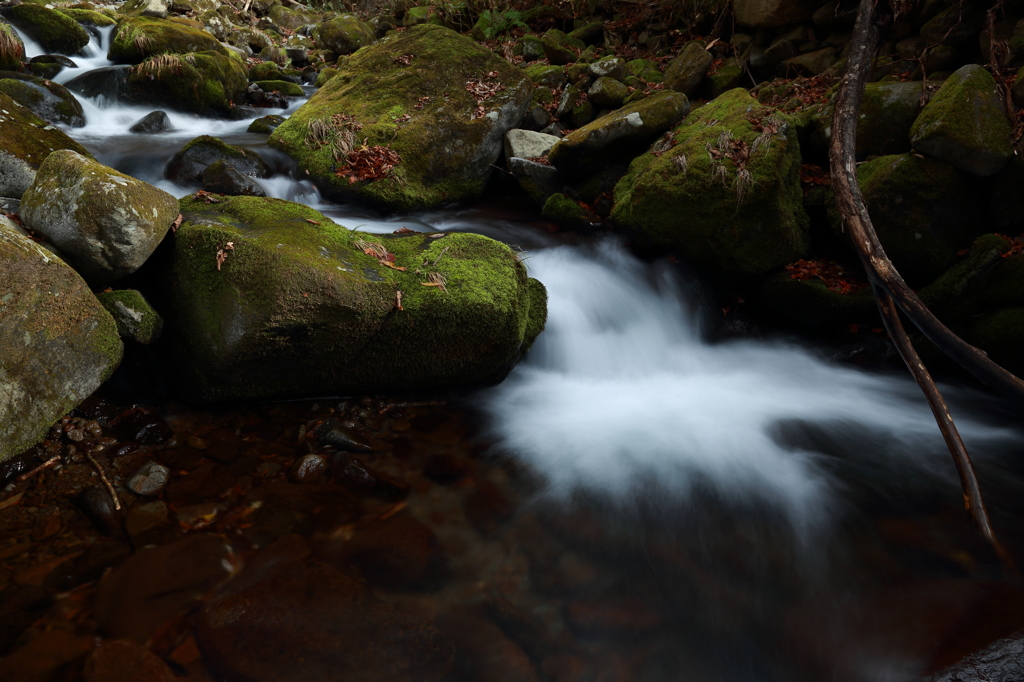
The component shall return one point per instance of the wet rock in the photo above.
(284, 602)
(153, 122)
(568, 212)
(281, 87)
(538, 180)
(265, 124)
(191, 161)
(338, 435)
(53, 31)
(52, 655)
(59, 343)
(207, 481)
(204, 83)
(135, 318)
(159, 583)
(12, 52)
(49, 101)
(144, 426)
(286, 508)
(485, 653)
(309, 468)
(435, 169)
(221, 177)
(964, 124)
(150, 479)
(103, 554)
(144, 518)
(122, 660)
(108, 81)
(199, 515)
(97, 505)
(685, 73)
(343, 35)
(105, 222)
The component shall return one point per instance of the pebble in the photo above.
(150, 479)
(98, 506)
(309, 468)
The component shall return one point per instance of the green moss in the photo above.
(86, 16)
(564, 211)
(12, 50)
(343, 35)
(204, 83)
(645, 70)
(134, 316)
(265, 71)
(320, 315)
(547, 75)
(28, 137)
(684, 201)
(284, 87)
(265, 124)
(54, 32)
(48, 100)
(326, 75)
(139, 38)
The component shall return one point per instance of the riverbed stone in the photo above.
(203, 83)
(621, 133)
(446, 148)
(52, 30)
(738, 223)
(220, 177)
(139, 38)
(59, 343)
(135, 317)
(538, 180)
(965, 124)
(105, 222)
(25, 142)
(343, 35)
(190, 162)
(295, 307)
(12, 49)
(153, 122)
(49, 101)
(610, 67)
(607, 93)
(685, 73)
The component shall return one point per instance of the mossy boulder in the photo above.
(546, 75)
(988, 279)
(25, 142)
(135, 317)
(204, 83)
(286, 88)
(706, 207)
(567, 212)
(772, 13)
(265, 71)
(265, 124)
(685, 73)
(620, 134)
(12, 49)
(607, 93)
(325, 76)
(87, 17)
(249, 39)
(146, 8)
(59, 344)
(106, 223)
(292, 18)
(445, 139)
(812, 303)
(139, 38)
(886, 113)
(965, 124)
(297, 309)
(189, 163)
(343, 35)
(53, 31)
(727, 77)
(645, 70)
(923, 210)
(220, 177)
(49, 101)
(1001, 336)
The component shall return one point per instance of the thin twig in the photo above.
(45, 465)
(106, 481)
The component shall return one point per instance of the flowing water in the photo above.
(791, 518)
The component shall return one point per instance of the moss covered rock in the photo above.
(811, 303)
(1001, 336)
(265, 124)
(59, 344)
(445, 139)
(220, 177)
(607, 93)
(297, 309)
(265, 71)
(622, 133)
(12, 49)
(284, 87)
(135, 317)
(566, 212)
(325, 76)
(106, 223)
(700, 205)
(645, 70)
(546, 75)
(964, 124)
(25, 142)
(52, 30)
(87, 17)
(343, 35)
(685, 73)
(189, 163)
(139, 38)
(49, 101)
(292, 17)
(204, 83)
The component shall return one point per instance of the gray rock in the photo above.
(135, 318)
(685, 72)
(150, 479)
(49, 101)
(153, 122)
(611, 67)
(110, 82)
(607, 93)
(1001, 661)
(538, 180)
(106, 222)
(59, 344)
(222, 178)
(527, 144)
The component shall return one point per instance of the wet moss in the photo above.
(284, 87)
(87, 16)
(326, 75)
(28, 137)
(48, 100)
(139, 38)
(204, 83)
(265, 71)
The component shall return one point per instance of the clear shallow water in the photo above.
(752, 488)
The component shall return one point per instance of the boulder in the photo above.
(272, 300)
(441, 138)
(771, 13)
(619, 134)
(12, 49)
(965, 124)
(53, 31)
(812, 303)
(107, 81)
(607, 93)
(325, 76)
(250, 40)
(610, 67)
(105, 222)
(953, 25)
(285, 88)
(538, 180)
(203, 83)
(265, 124)
(343, 35)
(685, 73)
(188, 164)
(727, 77)
(134, 316)
(646, 70)
(158, 9)
(49, 101)
(220, 177)
(737, 185)
(59, 343)
(527, 144)
(810, 63)
(140, 38)
(887, 111)
(153, 122)
(25, 141)
(292, 18)
(87, 17)
(567, 212)
(546, 75)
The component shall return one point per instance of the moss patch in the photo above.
(284, 87)
(54, 32)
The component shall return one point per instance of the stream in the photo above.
(743, 510)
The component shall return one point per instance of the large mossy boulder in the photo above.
(685, 73)
(190, 162)
(292, 18)
(49, 101)
(723, 192)
(203, 83)
(273, 300)
(965, 124)
(87, 17)
(622, 133)
(923, 210)
(106, 223)
(59, 344)
(54, 32)
(12, 49)
(445, 139)
(25, 142)
(343, 35)
(139, 38)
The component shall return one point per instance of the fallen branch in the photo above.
(890, 289)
